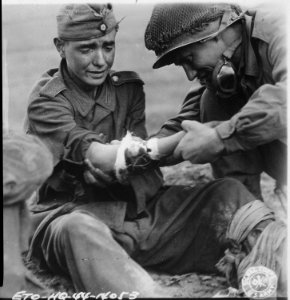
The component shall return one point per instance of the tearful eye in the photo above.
(85, 50)
(109, 48)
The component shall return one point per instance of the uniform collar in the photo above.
(251, 65)
(105, 96)
(51, 83)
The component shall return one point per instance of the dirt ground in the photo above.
(190, 285)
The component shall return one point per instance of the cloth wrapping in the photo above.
(269, 251)
(243, 221)
(246, 218)
(133, 157)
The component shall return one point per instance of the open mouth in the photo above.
(204, 75)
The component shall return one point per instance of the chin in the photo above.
(96, 82)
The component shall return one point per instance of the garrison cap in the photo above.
(175, 25)
(76, 22)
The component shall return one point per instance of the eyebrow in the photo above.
(93, 44)
(109, 43)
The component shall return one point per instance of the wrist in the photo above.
(164, 146)
(102, 156)
(219, 145)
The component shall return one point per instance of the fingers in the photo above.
(213, 124)
(191, 125)
(96, 176)
(90, 179)
(177, 154)
(89, 165)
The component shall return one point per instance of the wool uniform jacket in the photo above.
(262, 122)
(68, 120)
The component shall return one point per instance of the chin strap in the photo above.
(229, 17)
(232, 48)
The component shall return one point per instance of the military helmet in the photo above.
(175, 25)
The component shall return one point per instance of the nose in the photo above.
(98, 58)
(189, 71)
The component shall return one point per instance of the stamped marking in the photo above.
(259, 282)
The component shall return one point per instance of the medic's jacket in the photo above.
(262, 121)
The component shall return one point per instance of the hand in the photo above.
(96, 176)
(102, 156)
(213, 124)
(201, 144)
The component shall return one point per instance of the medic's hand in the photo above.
(201, 144)
(97, 177)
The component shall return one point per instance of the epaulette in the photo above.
(122, 77)
(53, 84)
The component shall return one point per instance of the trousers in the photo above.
(182, 230)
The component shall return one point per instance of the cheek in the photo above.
(77, 61)
(207, 55)
(109, 57)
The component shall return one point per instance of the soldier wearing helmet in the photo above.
(236, 61)
(97, 231)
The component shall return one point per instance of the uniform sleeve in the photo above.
(136, 116)
(263, 118)
(53, 121)
(190, 111)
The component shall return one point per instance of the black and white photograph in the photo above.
(145, 149)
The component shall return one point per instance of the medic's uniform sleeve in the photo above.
(130, 90)
(51, 117)
(190, 111)
(264, 118)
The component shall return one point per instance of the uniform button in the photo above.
(103, 27)
(115, 78)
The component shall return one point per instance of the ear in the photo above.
(59, 45)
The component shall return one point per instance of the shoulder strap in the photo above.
(123, 77)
